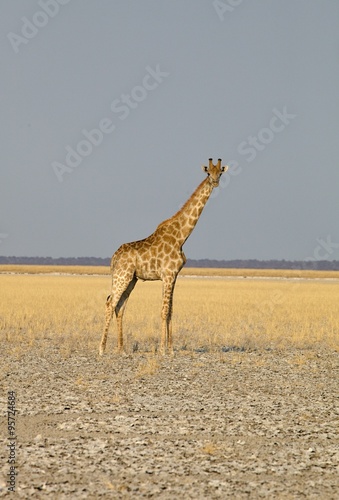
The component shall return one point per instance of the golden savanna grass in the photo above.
(186, 271)
(209, 313)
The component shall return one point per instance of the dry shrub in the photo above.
(210, 448)
(148, 368)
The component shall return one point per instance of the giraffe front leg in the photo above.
(169, 328)
(166, 316)
(166, 345)
(163, 343)
(170, 341)
(108, 317)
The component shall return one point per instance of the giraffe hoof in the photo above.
(121, 351)
(164, 351)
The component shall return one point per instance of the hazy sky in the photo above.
(110, 107)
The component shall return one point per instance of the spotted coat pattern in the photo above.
(157, 257)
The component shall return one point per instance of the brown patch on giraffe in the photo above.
(174, 254)
(167, 248)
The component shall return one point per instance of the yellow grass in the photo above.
(210, 448)
(186, 271)
(266, 273)
(32, 269)
(212, 313)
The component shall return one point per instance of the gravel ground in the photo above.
(228, 424)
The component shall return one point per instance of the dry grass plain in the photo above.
(246, 408)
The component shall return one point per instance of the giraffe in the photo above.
(157, 257)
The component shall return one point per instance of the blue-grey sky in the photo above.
(109, 109)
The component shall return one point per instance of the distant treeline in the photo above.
(233, 264)
(316, 265)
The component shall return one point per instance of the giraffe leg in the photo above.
(169, 331)
(108, 317)
(169, 341)
(119, 287)
(166, 314)
(120, 309)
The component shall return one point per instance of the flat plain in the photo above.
(247, 407)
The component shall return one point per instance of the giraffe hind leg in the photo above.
(114, 302)
(108, 317)
(120, 309)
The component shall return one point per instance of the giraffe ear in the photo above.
(204, 169)
(224, 169)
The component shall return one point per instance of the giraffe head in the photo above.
(214, 172)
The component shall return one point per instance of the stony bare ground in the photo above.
(226, 424)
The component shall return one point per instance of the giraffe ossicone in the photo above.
(157, 257)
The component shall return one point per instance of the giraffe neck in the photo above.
(184, 221)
